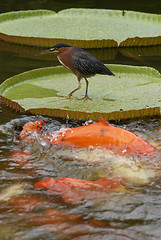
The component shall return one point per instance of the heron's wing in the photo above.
(87, 64)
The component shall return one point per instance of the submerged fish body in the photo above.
(105, 183)
(26, 203)
(101, 134)
(11, 191)
(75, 190)
(20, 157)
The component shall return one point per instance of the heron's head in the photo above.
(55, 49)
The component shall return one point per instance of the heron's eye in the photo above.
(53, 49)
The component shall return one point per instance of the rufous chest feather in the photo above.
(65, 58)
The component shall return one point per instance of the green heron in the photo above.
(80, 62)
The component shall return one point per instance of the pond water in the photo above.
(29, 213)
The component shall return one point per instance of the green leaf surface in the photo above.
(133, 92)
(88, 28)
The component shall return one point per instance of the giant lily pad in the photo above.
(133, 92)
(88, 28)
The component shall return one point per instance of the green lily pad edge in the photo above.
(133, 92)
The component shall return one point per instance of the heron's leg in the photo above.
(71, 94)
(86, 94)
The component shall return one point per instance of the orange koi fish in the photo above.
(75, 190)
(118, 140)
(30, 127)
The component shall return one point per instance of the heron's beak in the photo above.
(43, 52)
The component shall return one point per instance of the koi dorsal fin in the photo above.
(103, 122)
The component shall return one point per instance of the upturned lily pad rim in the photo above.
(84, 43)
(77, 115)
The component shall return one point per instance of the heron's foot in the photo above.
(85, 98)
(68, 96)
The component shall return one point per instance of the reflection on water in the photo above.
(36, 214)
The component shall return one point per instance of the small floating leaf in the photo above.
(87, 28)
(133, 92)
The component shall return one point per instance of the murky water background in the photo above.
(133, 214)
